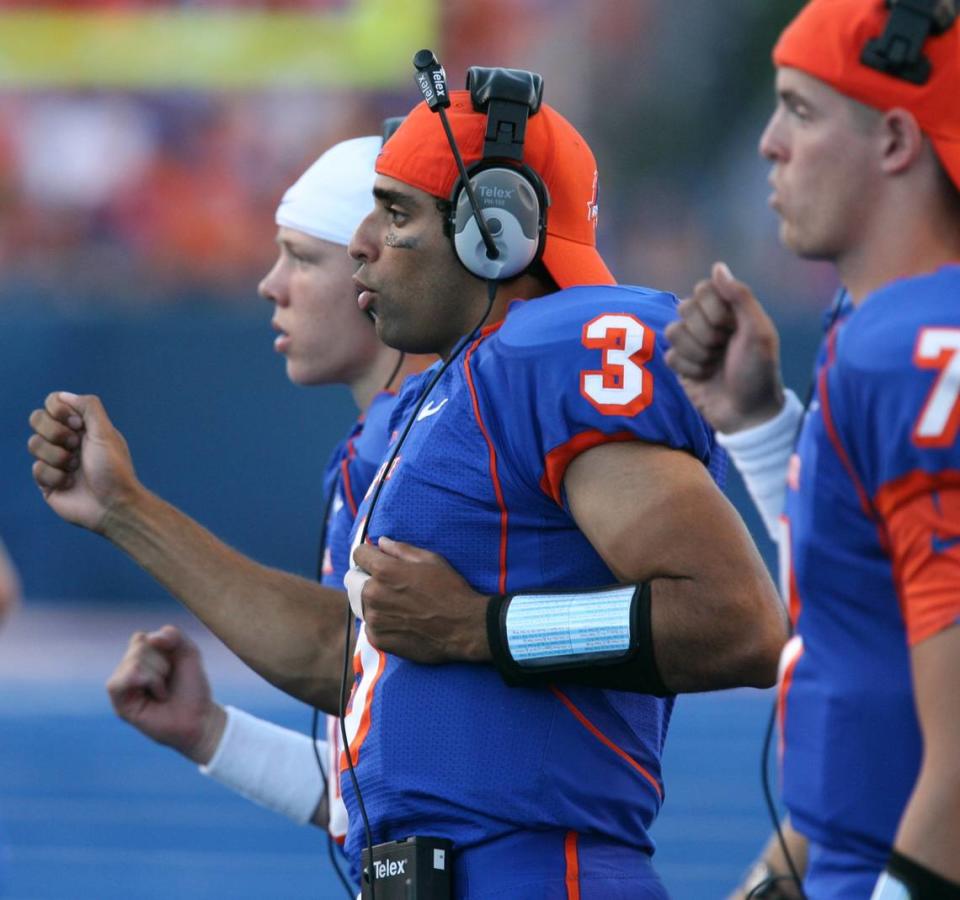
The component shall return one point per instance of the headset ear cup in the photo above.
(511, 208)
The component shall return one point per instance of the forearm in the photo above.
(773, 868)
(761, 455)
(272, 766)
(929, 831)
(654, 515)
(708, 635)
(288, 629)
(636, 637)
(716, 618)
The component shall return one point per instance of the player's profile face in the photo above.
(824, 167)
(422, 299)
(320, 331)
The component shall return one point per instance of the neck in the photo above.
(866, 273)
(525, 287)
(916, 239)
(374, 380)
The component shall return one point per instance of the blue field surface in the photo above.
(90, 810)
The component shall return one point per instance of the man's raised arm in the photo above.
(288, 629)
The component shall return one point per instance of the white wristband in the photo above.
(761, 455)
(269, 765)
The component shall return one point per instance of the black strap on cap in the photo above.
(390, 125)
(898, 51)
(509, 97)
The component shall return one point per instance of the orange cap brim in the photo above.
(571, 263)
(948, 152)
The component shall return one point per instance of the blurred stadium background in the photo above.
(143, 147)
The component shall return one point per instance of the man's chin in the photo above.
(397, 339)
(809, 252)
(303, 377)
(387, 333)
(795, 242)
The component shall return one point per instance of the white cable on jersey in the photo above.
(762, 454)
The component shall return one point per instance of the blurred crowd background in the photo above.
(144, 145)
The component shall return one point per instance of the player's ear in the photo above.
(901, 141)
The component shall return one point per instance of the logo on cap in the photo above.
(593, 205)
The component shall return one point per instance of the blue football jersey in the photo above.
(450, 750)
(873, 520)
(352, 465)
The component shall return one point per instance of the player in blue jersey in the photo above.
(160, 686)
(554, 455)
(865, 153)
(557, 464)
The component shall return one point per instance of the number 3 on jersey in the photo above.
(939, 348)
(621, 387)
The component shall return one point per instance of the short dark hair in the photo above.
(445, 208)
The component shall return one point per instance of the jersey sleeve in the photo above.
(356, 466)
(583, 368)
(892, 399)
(333, 500)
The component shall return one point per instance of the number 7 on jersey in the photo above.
(937, 348)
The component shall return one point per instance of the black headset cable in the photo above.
(458, 349)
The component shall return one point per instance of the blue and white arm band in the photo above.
(761, 455)
(601, 638)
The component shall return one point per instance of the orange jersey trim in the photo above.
(921, 512)
(364, 727)
(788, 577)
(824, 394)
(789, 657)
(347, 486)
(492, 455)
(573, 865)
(600, 736)
(559, 458)
(345, 481)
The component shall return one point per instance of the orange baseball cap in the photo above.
(826, 39)
(418, 154)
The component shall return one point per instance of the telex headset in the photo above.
(499, 206)
(898, 51)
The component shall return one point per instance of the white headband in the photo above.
(334, 195)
